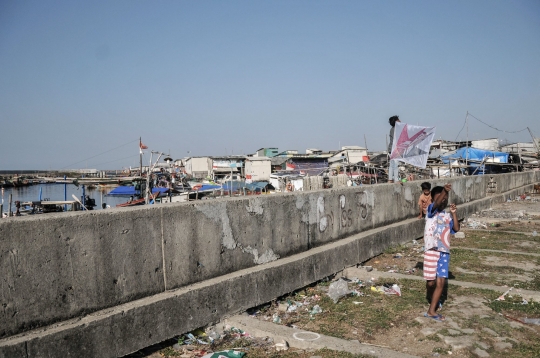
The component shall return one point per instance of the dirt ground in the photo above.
(501, 247)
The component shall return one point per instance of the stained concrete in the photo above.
(87, 266)
(308, 340)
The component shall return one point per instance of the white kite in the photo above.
(411, 144)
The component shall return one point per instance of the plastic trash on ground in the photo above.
(276, 318)
(394, 290)
(388, 290)
(338, 289)
(501, 297)
(532, 321)
(316, 309)
(282, 346)
(225, 354)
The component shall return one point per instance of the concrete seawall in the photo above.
(111, 282)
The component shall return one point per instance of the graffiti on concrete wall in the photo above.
(491, 187)
(347, 215)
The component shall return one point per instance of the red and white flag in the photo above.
(142, 146)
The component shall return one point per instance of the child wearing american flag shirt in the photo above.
(439, 225)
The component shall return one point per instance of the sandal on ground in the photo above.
(437, 317)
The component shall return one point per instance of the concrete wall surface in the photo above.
(65, 266)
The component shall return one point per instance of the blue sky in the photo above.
(81, 81)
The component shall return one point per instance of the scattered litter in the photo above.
(398, 255)
(213, 335)
(282, 346)
(225, 354)
(357, 302)
(501, 297)
(394, 290)
(387, 289)
(292, 308)
(338, 289)
(276, 318)
(535, 321)
(473, 224)
(190, 338)
(525, 302)
(316, 309)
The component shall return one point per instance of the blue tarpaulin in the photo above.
(130, 191)
(239, 185)
(476, 155)
(209, 187)
(474, 158)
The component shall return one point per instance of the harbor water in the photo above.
(55, 192)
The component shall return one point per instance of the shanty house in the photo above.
(349, 155)
(266, 152)
(257, 169)
(222, 166)
(198, 167)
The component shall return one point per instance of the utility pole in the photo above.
(467, 148)
(150, 171)
(534, 140)
(140, 157)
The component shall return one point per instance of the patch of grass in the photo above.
(377, 313)
(396, 249)
(493, 240)
(527, 350)
(445, 332)
(170, 352)
(441, 350)
(412, 324)
(513, 306)
(433, 337)
(488, 274)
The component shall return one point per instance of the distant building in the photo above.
(266, 152)
(486, 144)
(519, 147)
(349, 155)
(221, 166)
(258, 169)
(198, 167)
(287, 153)
(313, 151)
(307, 165)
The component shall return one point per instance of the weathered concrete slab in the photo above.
(309, 340)
(58, 267)
(128, 327)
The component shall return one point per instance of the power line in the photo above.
(497, 129)
(464, 123)
(97, 155)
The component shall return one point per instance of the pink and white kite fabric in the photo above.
(411, 144)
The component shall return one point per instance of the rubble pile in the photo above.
(502, 214)
(209, 343)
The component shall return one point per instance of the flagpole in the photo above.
(467, 144)
(140, 157)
